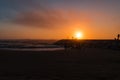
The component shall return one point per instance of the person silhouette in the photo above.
(118, 36)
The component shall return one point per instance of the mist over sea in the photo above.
(29, 45)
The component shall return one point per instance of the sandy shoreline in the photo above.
(87, 64)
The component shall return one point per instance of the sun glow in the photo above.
(78, 35)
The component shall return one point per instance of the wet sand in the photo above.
(86, 64)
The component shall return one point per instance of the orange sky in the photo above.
(96, 20)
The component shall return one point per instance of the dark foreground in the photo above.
(87, 64)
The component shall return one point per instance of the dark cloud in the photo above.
(44, 18)
(39, 19)
(33, 13)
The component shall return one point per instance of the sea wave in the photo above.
(28, 45)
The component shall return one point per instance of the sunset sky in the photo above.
(59, 19)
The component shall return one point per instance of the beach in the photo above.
(73, 64)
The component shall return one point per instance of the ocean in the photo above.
(29, 45)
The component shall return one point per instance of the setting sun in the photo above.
(78, 35)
